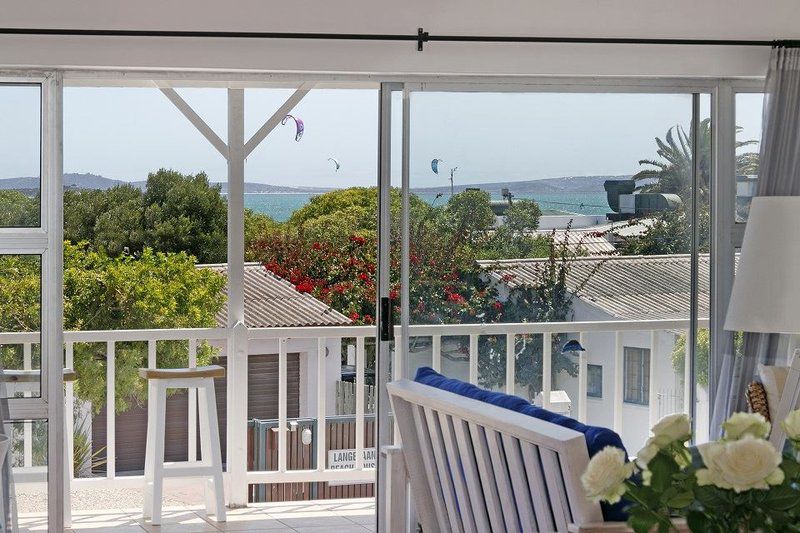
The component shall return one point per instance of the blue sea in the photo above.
(281, 206)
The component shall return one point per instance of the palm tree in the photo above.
(673, 171)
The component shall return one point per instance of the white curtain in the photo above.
(779, 175)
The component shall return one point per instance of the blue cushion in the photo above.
(597, 438)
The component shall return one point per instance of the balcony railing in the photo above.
(280, 338)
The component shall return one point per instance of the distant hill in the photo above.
(94, 181)
(564, 185)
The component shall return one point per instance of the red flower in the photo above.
(456, 298)
(363, 276)
(317, 246)
(358, 240)
(498, 306)
(393, 294)
(368, 319)
(354, 316)
(304, 286)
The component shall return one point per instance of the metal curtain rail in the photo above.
(420, 37)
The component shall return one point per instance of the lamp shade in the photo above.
(766, 290)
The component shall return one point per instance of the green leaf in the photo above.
(641, 520)
(697, 521)
(782, 498)
(681, 500)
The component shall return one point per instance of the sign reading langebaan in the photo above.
(346, 459)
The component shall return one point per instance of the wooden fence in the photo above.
(346, 398)
(263, 456)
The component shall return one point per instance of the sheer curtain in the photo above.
(779, 175)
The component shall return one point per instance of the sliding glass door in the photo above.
(31, 347)
(554, 244)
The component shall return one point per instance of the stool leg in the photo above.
(211, 453)
(152, 403)
(158, 456)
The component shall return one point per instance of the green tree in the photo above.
(110, 219)
(184, 213)
(18, 210)
(673, 169)
(669, 232)
(151, 290)
(678, 355)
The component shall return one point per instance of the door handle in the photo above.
(387, 322)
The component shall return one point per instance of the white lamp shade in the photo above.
(766, 291)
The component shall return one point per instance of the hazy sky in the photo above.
(126, 133)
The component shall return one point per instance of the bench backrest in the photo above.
(477, 467)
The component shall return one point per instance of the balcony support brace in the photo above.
(235, 151)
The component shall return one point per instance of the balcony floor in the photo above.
(320, 516)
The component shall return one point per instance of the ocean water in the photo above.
(281, 206)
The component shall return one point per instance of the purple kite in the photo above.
(298, 124)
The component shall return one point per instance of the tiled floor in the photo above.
(320, 516)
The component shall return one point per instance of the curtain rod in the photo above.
(420, 37)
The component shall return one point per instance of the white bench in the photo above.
(476, 467)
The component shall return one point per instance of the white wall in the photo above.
(736, 19)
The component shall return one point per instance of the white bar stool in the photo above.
(210, 464)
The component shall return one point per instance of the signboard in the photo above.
(346, 460)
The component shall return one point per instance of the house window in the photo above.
(636, 381)
(594, 381)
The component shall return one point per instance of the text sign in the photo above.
(346, 459)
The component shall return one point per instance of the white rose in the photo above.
(671, 428)
(604, 479)
(741, 424)
(792, 425)
(745, 464)
(647, 453)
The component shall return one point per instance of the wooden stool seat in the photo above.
(211, 371)
(199, 381)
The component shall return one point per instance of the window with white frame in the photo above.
(636, 375)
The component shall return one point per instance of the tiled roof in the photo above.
(639, 287)
(271, 301)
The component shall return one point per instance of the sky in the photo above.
(125, 133)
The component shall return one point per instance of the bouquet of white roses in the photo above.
(743, 483)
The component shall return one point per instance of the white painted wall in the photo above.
(736, 19)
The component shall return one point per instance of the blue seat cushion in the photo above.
(597, 438)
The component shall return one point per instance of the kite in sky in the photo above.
(335, 162)
(298, 124)
(435, 165)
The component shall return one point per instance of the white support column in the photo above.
(583, 379)
(652, 399)
(236, 457)
(618, 380)
(547, 365)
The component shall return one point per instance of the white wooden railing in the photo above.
(282, 336)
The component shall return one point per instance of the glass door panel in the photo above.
(588, 209)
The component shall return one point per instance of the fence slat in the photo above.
(322, 452)
(360, 362)
(547, 374)
(282, 404)
(27, 431)
(192, 404)
(473, 359)
(583, 377)
(511, 361)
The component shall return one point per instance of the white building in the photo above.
(624, 288)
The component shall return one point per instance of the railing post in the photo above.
(473, 359)
(27, 431)
(547, 364)
(618, 377)
(652, 398)
(511, 361)
(360, 403)
(687, 376)
(282, 404)
(111, 411)
(583, 377)
(436, 352)
(192, 455)
(69, 415)
(322, 426)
